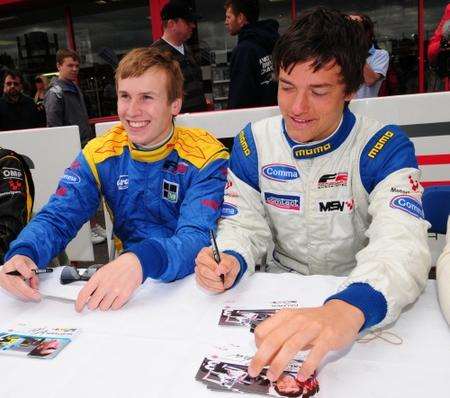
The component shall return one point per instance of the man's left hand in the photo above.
(322, 329)
(112, 285)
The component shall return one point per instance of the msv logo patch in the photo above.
(280, 172)
(283, 202)
(71, 177)
(229, 210)
(408, 205)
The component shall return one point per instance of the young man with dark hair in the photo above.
(251, 70)
(64, 102)
(162, 183)
(17, 110)
(178, 23)
(377, 63)
(337, 194)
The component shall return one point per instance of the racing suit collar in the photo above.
(154, 154)
(334, 141)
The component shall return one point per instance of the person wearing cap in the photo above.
(178, 24)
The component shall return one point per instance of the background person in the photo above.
(17, 110)
(439, 48)
(41, 85)
(377, 63)
(64, 102)
(251, 69)
(64, 106)
(178, 23)
(337, 194)
(163, 184)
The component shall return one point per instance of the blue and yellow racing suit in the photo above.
(162, 201)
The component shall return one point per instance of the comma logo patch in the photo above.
(408, 205)
(280, 172)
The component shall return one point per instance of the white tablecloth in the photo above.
(154, 345)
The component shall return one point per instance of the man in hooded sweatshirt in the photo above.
(251, 69)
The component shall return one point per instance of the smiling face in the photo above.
(311, 102)
(143, 107)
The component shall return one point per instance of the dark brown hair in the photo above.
(322, 36)
(64, 53)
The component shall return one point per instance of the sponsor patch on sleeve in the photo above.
(407, 204)
(228, 210)
(71, 177)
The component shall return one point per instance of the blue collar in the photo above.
(305, 151)
(372, 50)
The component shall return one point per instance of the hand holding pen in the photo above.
(215, 271)
(26, 286)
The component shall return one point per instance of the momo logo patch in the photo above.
(71, 177)
(280, 172)
(122, 182)
(305, 153)
(380, 144)
(229, 210)
(283, 202)
(408, 205)
(244, 143)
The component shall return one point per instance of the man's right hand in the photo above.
(24, 287)
(207, 271)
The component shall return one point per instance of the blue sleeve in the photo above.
(388, 151)
(74, 202)
(244, 158)
(173, 258)
(363, 296)
(242, 265)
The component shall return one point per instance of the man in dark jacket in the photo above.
(251, 66)
(178, 23)
(64, 102)
(16, 197)
(17, 110)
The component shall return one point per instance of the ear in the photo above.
(58, 66)
(242, 19)
(175, 106)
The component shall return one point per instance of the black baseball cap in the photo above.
(178, 9)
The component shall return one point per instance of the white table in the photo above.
(154, 345)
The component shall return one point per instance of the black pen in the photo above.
(216, 253)
(36, 271)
